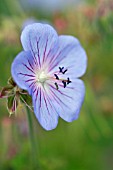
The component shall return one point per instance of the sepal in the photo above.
(27, 98)
(12, 103)
(11, 82)
(6, 91)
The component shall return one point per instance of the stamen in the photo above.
(64, 83)
(64, 71)
(56, 86)
(61, 69)
(68, 80)
(56, 76)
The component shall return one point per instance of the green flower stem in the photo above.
(32, 139)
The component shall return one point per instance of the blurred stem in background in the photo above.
(16, 9)
(34, 147)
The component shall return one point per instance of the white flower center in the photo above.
(41, 77)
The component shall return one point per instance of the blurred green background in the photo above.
(87, 143)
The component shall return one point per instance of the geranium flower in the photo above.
(49, 68)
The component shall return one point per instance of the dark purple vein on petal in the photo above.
(38, 51)
(46, 103)
(53, 59)
(57, 96)
(51, 48)
(52, 106)
(59, 102)
(30, 64)
(60, 91)
(29, 80)
(37, 92)
(57, 56)
(28, 68)
(34, 90)
(28, 75)
(48, 53)
(40, 96)
(67, 87)
(47, 97)
(45, 50)
(33, 54)
(32, 84)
